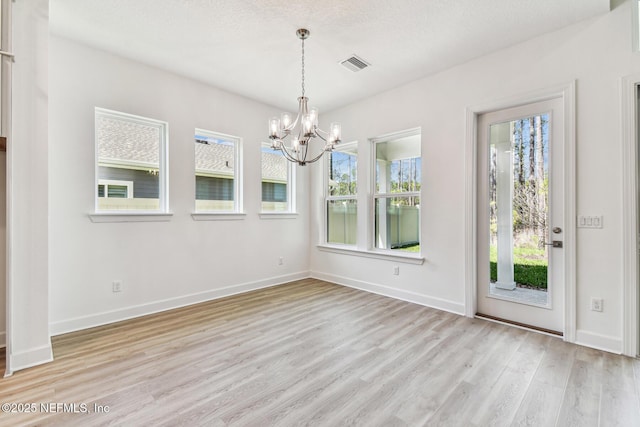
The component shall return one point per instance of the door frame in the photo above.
(629, 86)
(566, 92)
(6, 43)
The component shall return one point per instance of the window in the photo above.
(278, 191)
(341, 192)
(217, 164)
(115, 189)
(398, 179)
(131, 173)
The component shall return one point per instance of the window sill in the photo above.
(130, 216)
(377, 254)
(278, 215)
(218, 216)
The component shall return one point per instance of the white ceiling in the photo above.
(250, 47)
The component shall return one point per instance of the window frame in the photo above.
(328, 198)
(113, 215)
(375, 195)
(237, 211)
(291, 190)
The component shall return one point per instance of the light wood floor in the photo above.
(314, 353)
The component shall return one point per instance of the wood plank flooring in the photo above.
(315, 353)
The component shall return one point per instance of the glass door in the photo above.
(520, 221)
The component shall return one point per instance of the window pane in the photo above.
(397, 223)
(129, 149)
(518, 190)
(215, 172)
(119, 191)
(341, 221)
(398, 165)
(275, 178)
(274, 192)
(211, 188)
(342, 172)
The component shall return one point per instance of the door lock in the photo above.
(557, 230)
(555, 244)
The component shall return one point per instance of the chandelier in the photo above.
(283, 129)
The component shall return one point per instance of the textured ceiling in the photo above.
(250, 47)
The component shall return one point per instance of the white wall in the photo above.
(596, 53)
(27, 186)
(161, 264)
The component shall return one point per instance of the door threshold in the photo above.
(520, 325)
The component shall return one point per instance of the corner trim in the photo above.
(630, 183)
(32, 357)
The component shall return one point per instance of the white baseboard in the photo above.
(428, 301)
(599, 342)
(85, 322)
(3, 339)
(31, 357)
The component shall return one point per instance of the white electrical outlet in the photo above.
(280, 261)
(596, 304)
(116, 286)
(396, 270)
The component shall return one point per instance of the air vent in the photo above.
(355, 63)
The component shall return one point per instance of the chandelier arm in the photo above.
(284, 137)
(306, 151)
(319, 131)
(293, 124)
(302, 109)
(285, 153)
(289, 158)
(325, 138)
(320, 136)
(317, 157)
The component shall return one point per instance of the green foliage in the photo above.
(342, 173)
(529, 266)
(415, 248)
(344, 188)
(517, 220)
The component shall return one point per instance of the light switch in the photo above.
(590, 221)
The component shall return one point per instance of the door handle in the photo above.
(557, 230)
(555, 244)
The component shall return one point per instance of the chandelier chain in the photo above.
(303, 67)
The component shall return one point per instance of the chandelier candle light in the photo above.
(284, 127)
